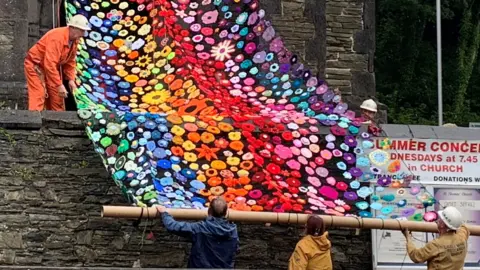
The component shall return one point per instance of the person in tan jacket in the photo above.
(448, 251)
(312, 252)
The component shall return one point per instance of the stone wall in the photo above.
(335, 38)
(53, 185)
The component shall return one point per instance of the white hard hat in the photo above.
(369, 105)
(79, 21)
(451, 217)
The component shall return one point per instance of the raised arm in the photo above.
(179, 228)
(421, 255)
(463, 232)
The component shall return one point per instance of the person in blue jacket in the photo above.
(214, 241)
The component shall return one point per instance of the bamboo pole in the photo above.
(130, 212)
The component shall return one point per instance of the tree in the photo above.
(406, 67)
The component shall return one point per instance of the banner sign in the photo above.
(431, 162)
(390, 247)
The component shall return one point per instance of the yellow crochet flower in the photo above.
(188, 145)
(202, 178)
(143, 61)
(150, 47)
(144, 30)
(190, 157)
(235, 136)
(177, 140)
(144, 73)
(233, 161)
(188, 118)
(166, 51)
(156, 97)
(194, 166)
(177, 130)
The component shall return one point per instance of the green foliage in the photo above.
(406, 65)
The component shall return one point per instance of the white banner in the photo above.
(436, 162)
(390, 247)
(467, 201)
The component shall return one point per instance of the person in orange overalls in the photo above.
(56, 50)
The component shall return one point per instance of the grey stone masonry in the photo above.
(335, 38)
(13, 39)
(13, 45)
(13, 95)
(53, 185)
(351, 46)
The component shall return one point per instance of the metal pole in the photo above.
(53, 14)
(439, 63)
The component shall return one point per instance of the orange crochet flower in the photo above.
(205, 192)
(207, 137)
(225, 127)
(217, 191)
(246, 165)
(257, 208)
(194, 137)
(213, 130)
(396, 184)
(241, 192)
(236, 145)
(229, 197)
(214, 181)
(241, 207)
(174, 119)
(230, 182)
(211, 172)
(177, 151)
(244, 180)
(207, 152)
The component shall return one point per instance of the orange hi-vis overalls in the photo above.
(42, 69)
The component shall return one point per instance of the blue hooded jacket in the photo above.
(214, 241)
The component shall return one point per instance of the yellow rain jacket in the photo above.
(446, 252)
(312, 253)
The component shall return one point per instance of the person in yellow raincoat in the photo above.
(448, 251)
(313, 250)
(55, 51)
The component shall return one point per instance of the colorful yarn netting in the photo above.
(186, 100)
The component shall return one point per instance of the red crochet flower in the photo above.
(341, 186)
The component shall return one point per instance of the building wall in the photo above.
(52, 187)
(13, 45)
(53, 184)
(335, 38)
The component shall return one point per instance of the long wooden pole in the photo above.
(279, 218)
